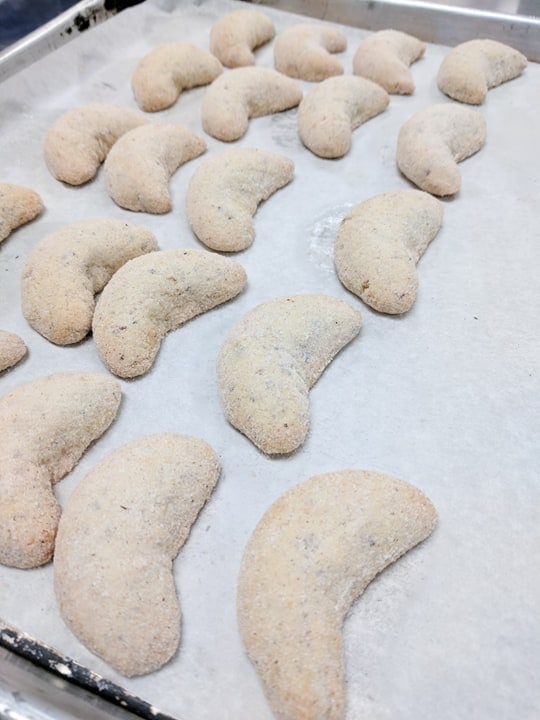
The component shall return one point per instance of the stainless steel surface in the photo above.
(67, 26)
(432, 22)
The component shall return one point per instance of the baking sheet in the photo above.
(446, 397)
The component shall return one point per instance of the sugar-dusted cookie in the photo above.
(154, 294)
(385, 57)
(379, 243)
(331, 110)
(78, 142)
(122, 527)
(432, 143)
(165, 72)
(66, 268)
(474, 67)
(235, 36)
(310, 557)
(139, 166)
(305, 51)
(244, 93)
(18, 205)
(47, 425)
(225, 191)
(12, 349)
(270, 360)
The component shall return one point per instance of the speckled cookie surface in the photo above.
(225, 191)
(270, 360)
(310, 557)
(244, 93)
(152, 295)
(67, 267)
(78, 142)
(306, 51)
(140, 164)
(48, 424)
(432, 143)
(474, 67)
(165, 72)
(18, 205)
(333, 109)
(235, 36)
(122, 527)
(12, 349)
(385, 57)
(379, 243)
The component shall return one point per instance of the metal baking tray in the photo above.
(446, 397)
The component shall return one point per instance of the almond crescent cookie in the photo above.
(18, 205)
(235, 36)
(305, 51)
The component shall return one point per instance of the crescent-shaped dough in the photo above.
(235, 35)
(47, 424)
(78, 142)
(12, 349)
(122, 527)
(474, 67)
(331, 110)
(165, 72)
(304, 51)
(270, 360)
(385, 57)
(139, 166)
(154, 294)
(18, 205)
(244, 93)
(225, 191)
(379, 243)
(432, 143)
(310, 557)
(69, 266)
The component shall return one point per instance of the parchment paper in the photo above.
(445, 397)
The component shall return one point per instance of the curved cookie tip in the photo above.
(68, 267)
(379, 243)
(225, 191)
(270, 360)
(18, 205)
(154, 294)
(385, 58)
(331, 110)
(474, 67)
(12, 349)
(122, 528)
(432, 143)
(235, 36)
(78, 142)
(49, 423)
(310, 557)
(244, 93)
(305, 51)
(140, 164)
(165, 72)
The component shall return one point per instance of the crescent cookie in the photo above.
(474, 67)
(305, 51)
(18, 205)
(78, 142)
(234, 36)
(12, 349)
(244, 93)
(330, 111)
(140, 164)
(310, 557)
(165, 72)
(225, 191)
(385, 57)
